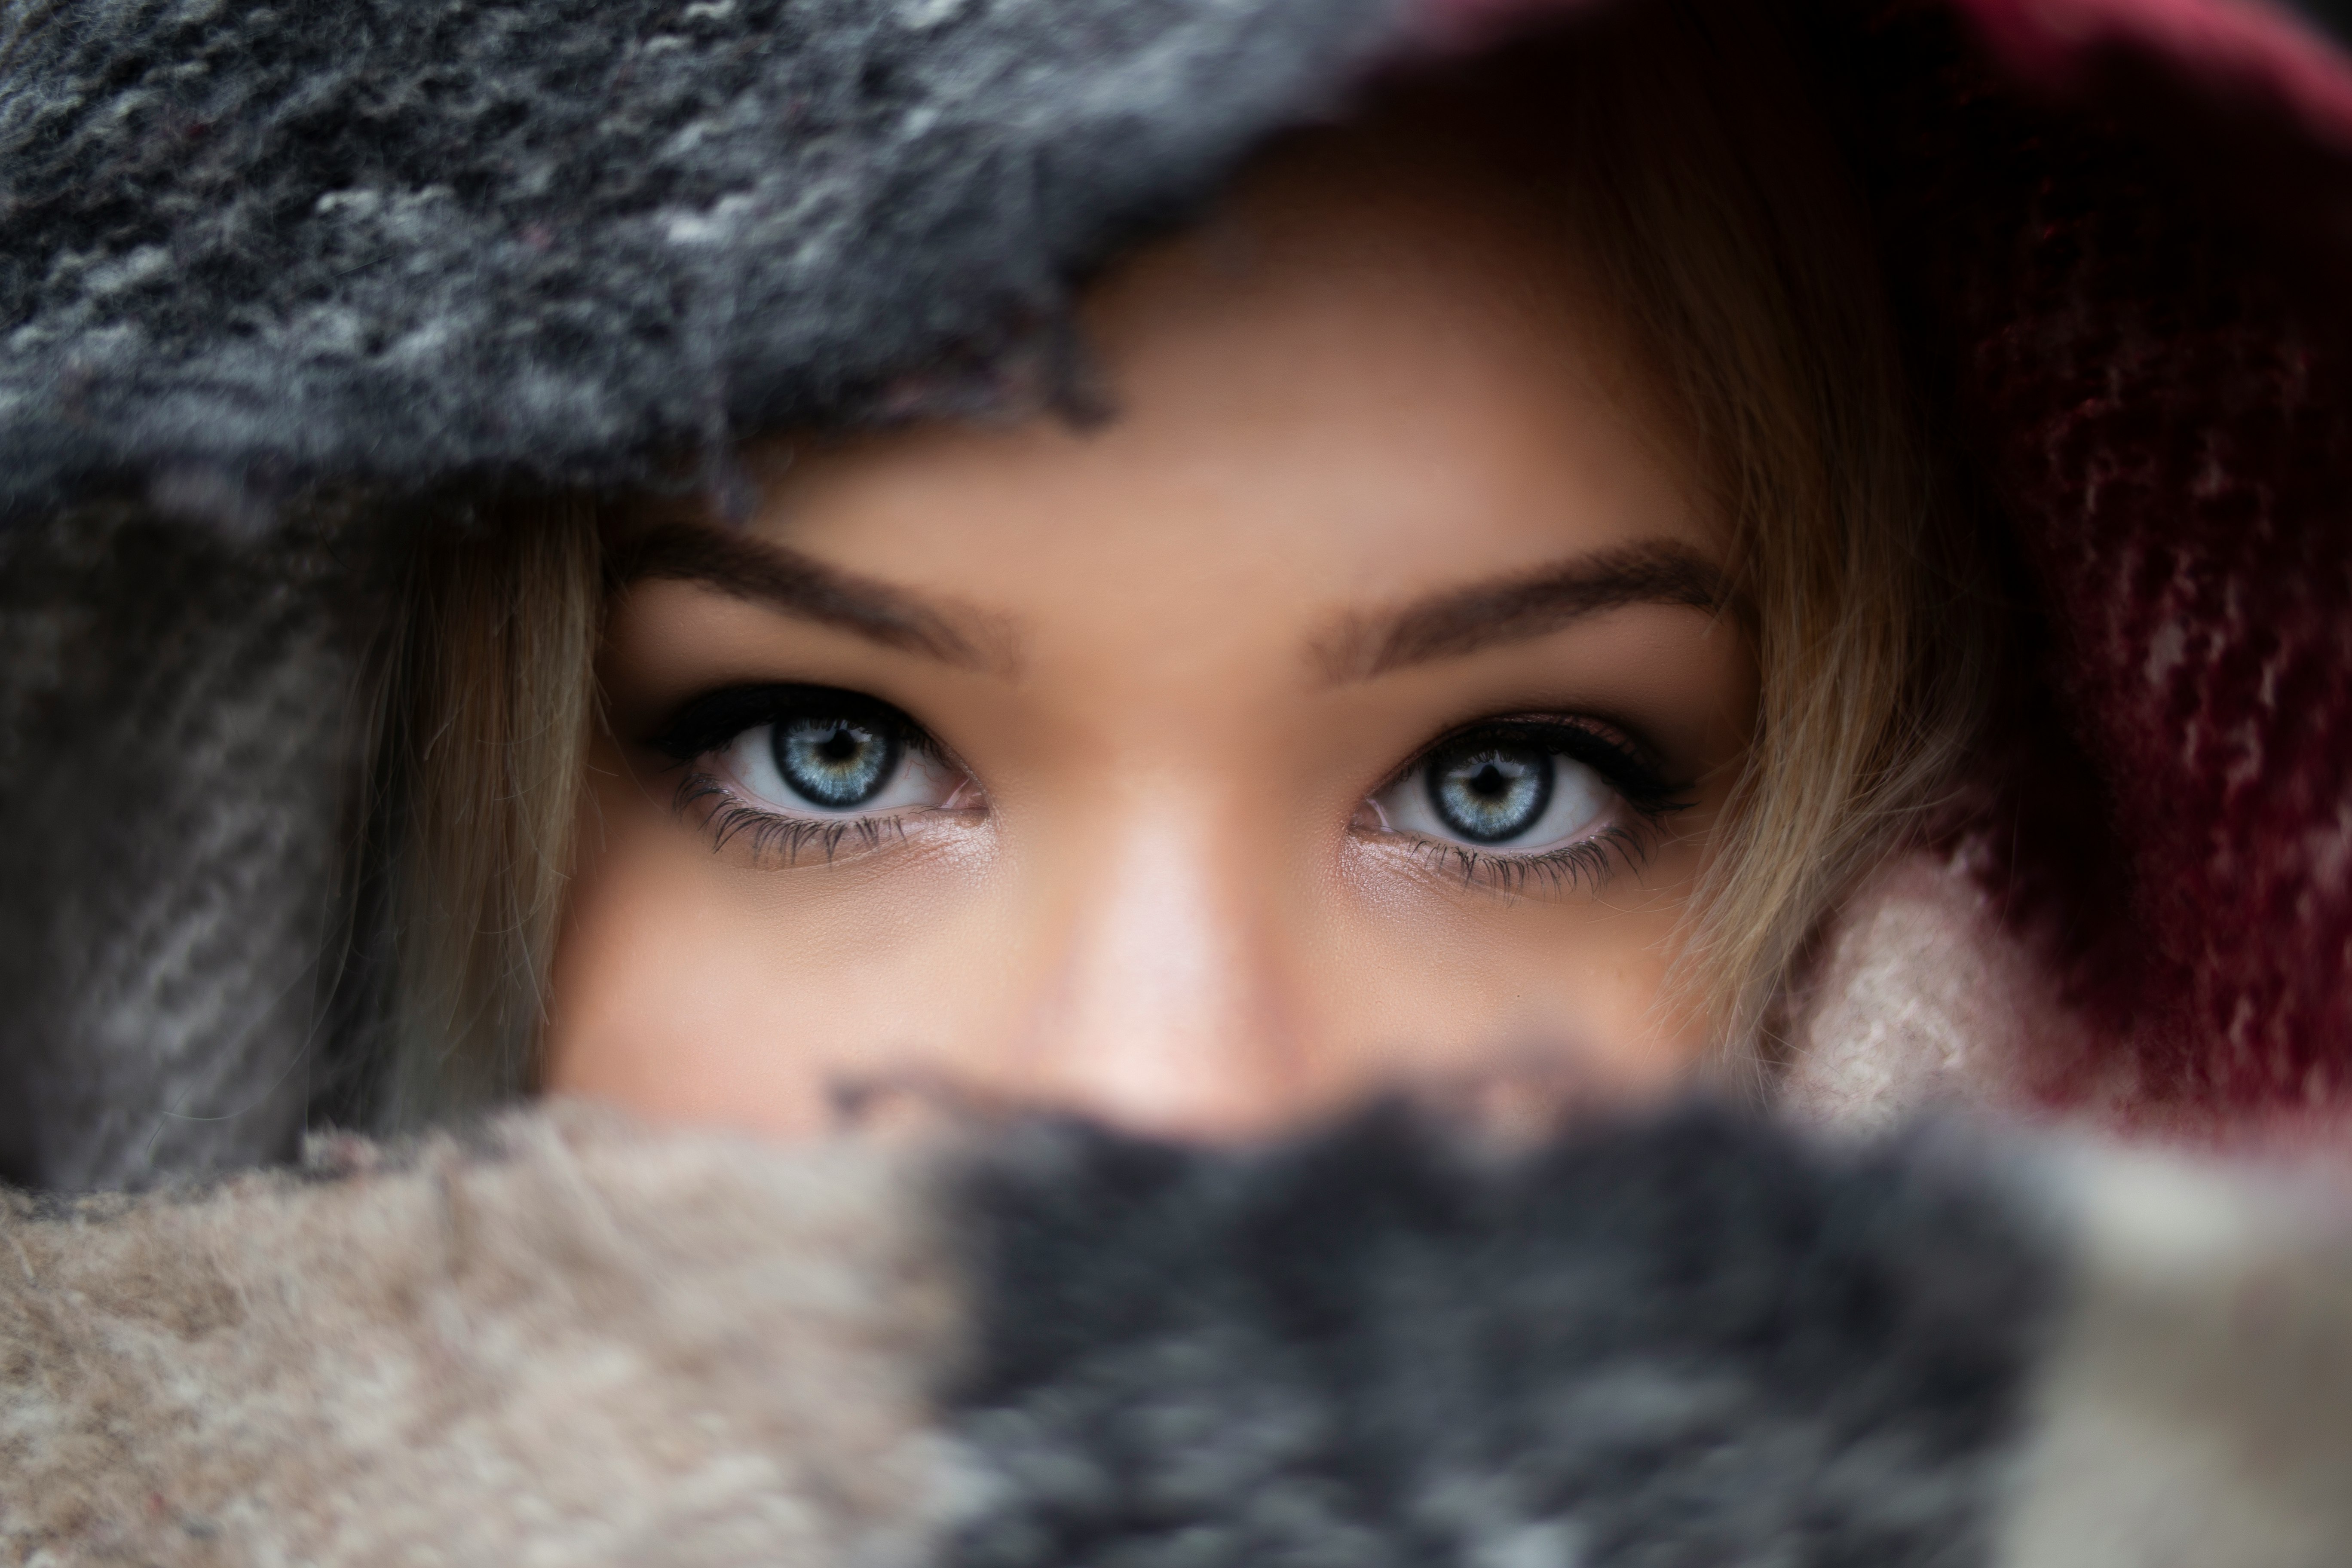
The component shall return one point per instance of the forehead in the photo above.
(1375, 370)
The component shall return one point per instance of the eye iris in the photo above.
(1489, 794)
(835, 761)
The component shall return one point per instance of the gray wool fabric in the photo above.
(244, 246)
(174, 753)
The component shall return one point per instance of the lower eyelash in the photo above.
(771, 834)
(1587, 863)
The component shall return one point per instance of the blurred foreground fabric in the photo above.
(1698, 1340)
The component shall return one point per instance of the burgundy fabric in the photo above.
(2130, 264)
(2234, 48)
(2120, 232)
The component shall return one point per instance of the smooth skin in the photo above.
(1380, 469)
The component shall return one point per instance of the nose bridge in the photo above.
(1164, 1002)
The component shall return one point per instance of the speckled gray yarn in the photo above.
(245, 245)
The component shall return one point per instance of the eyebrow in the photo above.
(783, 579)
(1513, 609)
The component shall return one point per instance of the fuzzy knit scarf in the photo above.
(1691, 1341)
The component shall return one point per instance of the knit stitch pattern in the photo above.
(246, 245)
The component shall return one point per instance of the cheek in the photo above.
(1443, 983)
(690, 988)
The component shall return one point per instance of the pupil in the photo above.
(834, 762)
(1489, 794)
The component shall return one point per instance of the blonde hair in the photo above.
(1713, 219)
(491, 670)
(1715, 214)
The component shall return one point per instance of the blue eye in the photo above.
(835, 762)
(1518, 786)
(1489, 794)
(820, 763)
(814, 751)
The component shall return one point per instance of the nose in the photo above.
(1167, 1000)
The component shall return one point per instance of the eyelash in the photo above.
(770, 833)
(1587, 863)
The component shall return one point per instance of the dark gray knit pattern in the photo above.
(175, 732)
(242, 245)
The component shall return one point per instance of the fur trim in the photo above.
(572, 1346)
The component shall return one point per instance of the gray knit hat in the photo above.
(248, 246)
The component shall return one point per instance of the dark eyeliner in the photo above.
(705, 723)
(1633, 776)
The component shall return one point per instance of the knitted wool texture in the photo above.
(2141, 319)
(390, 241)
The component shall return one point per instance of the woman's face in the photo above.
(1347, 715)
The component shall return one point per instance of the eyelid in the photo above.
(703, 723)
(734, 812)
(1613, 752)
(1624, 763)
(1586, 860)
(767, 833)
